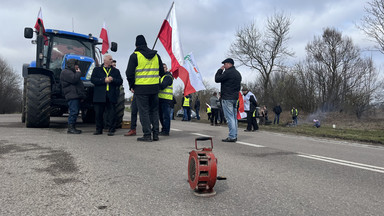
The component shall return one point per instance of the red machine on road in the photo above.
(202, 169)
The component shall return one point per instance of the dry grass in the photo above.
(370, 128)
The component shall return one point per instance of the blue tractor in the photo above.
(42, 95)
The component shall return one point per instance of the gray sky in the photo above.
(206, 27)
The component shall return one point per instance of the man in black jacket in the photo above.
(165, 100)
(73, 90)
(107, 80)
(230, 80)
(277, 110)
(143, 74)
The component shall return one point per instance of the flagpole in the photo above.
(162, 25)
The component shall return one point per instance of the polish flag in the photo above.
(240, 112)
(37, 25)
(39, 20)
(104, 36)
(169, 37)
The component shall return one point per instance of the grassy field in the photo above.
(369, 129)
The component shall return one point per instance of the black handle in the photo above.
(203, 138)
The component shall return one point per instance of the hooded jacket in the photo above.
(131, 71)
(71, 84)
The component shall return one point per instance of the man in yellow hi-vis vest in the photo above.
(165, 100)
(186, 103)
(144, 71)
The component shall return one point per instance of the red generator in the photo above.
(202, 169)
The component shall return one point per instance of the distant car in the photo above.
(180, 113)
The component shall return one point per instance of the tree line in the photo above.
(334, 76)
(10, 91)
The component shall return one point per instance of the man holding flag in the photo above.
(230, 80)
(144, 71)
(184, 67)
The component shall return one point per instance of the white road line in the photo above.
(345, 163)
(250, 144)
(174, 129)
(198, 134)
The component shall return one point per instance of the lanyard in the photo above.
(107, 73)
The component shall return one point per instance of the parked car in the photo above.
(180, 113)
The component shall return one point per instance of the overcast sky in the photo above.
(206, 27)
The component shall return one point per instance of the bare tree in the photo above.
(360, 97)
(333, 58)
(10, 92)
(373, 23)
(263, 51)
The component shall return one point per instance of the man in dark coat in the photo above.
(230, 80)
(277, 110)
(107, 80)
(73, 90)
(144, 71)
(197, 108)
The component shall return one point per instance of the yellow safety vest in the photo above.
(166, 93)
(294, 112)
(186, 102)
(208, 110)
(147, 70)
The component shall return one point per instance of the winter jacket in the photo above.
(100, 90)
(250, 102)
(214, 102)
(230, 80)
(131, 71)
(71, 84)
(277, 109)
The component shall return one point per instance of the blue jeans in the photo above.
(197, 113)
(230, 113)
(294, 118)
(187, 114)
(73, 106)
(171, 112)
(165, 116)
(277, 116)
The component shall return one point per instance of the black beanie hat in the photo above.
(140, 40)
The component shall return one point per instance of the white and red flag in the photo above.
(169, 37)
(37, 25)
(104, 36)
(39, 21)
(194, 80)
(240, 112)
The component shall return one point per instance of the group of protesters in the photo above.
(152, 86)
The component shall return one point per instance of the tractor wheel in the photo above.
(120, 107)
(24, 101)
(38, 101)
(88, 115)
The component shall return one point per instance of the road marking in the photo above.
(174, 129)
(198, 134)
(250, 144)
(344, 163)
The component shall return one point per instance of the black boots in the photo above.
(72, 129)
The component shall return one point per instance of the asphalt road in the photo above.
(45, 171)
